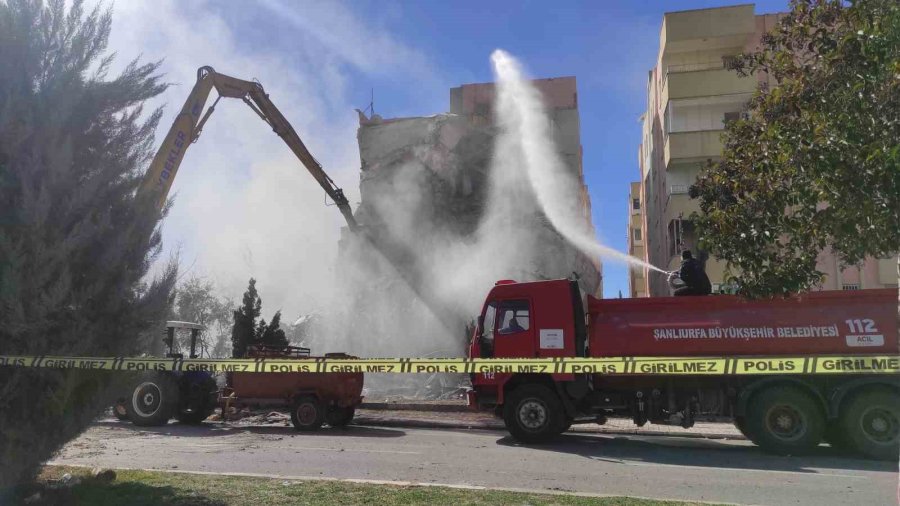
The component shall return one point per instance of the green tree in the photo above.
(75, 241)
(271, 334)
(816, 162)
(243, 333)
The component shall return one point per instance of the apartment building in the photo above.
(637, 281)
(690, 98)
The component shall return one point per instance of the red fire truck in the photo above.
(776, 408)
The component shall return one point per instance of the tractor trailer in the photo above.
(777, 406)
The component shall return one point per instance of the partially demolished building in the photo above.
(425, 185)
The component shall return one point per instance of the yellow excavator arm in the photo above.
(189, 123)
(187, 127)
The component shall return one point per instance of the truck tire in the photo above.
(200, 402)
(784, 420)
(870, 424)
(153, 400)
(339, 417)
(307, 413)
(533, 413)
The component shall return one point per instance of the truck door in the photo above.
(513, 333)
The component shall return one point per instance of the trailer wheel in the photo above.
(153, 400)
(533, 413)
(870, 424)
(784, 420)
(307, 413)
(339, 417)
(198, 401)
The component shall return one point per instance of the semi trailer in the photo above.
(771, 401)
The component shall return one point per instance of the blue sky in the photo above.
(239, 186)
(609, 46)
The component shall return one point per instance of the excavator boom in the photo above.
(189, 123)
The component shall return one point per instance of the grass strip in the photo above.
(138, 488)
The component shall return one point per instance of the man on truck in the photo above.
(694, 277)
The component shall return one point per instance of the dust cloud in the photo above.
(526, 227)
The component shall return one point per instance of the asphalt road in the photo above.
(645, 466)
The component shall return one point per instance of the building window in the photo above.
(729, 61)
(732, 116)
(636, 234)
(636, 204)
(681, 237)
(850, 286)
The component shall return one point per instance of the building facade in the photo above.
(690, 98)
(637, 281)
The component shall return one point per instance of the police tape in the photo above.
(730, 366)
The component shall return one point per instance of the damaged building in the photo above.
(430, 199)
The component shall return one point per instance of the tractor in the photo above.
(154, 397)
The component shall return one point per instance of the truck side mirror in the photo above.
(480, 327)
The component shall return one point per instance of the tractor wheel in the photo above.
(153, 400)
(870, 424)
(307, 413)
(198, 401)
(784, 420)
(533, 413)
(339, 417)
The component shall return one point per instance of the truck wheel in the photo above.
(339, 417)
(153, 400)
(307, 413)
(870, 424)
(199, 403)
(784, 420)
(533, 414)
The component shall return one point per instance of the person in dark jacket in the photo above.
(695, 280)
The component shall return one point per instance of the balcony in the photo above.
(693, 146)
(701, 29)
(704, 80)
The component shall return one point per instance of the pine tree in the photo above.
(243, 334)
(75, 241)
